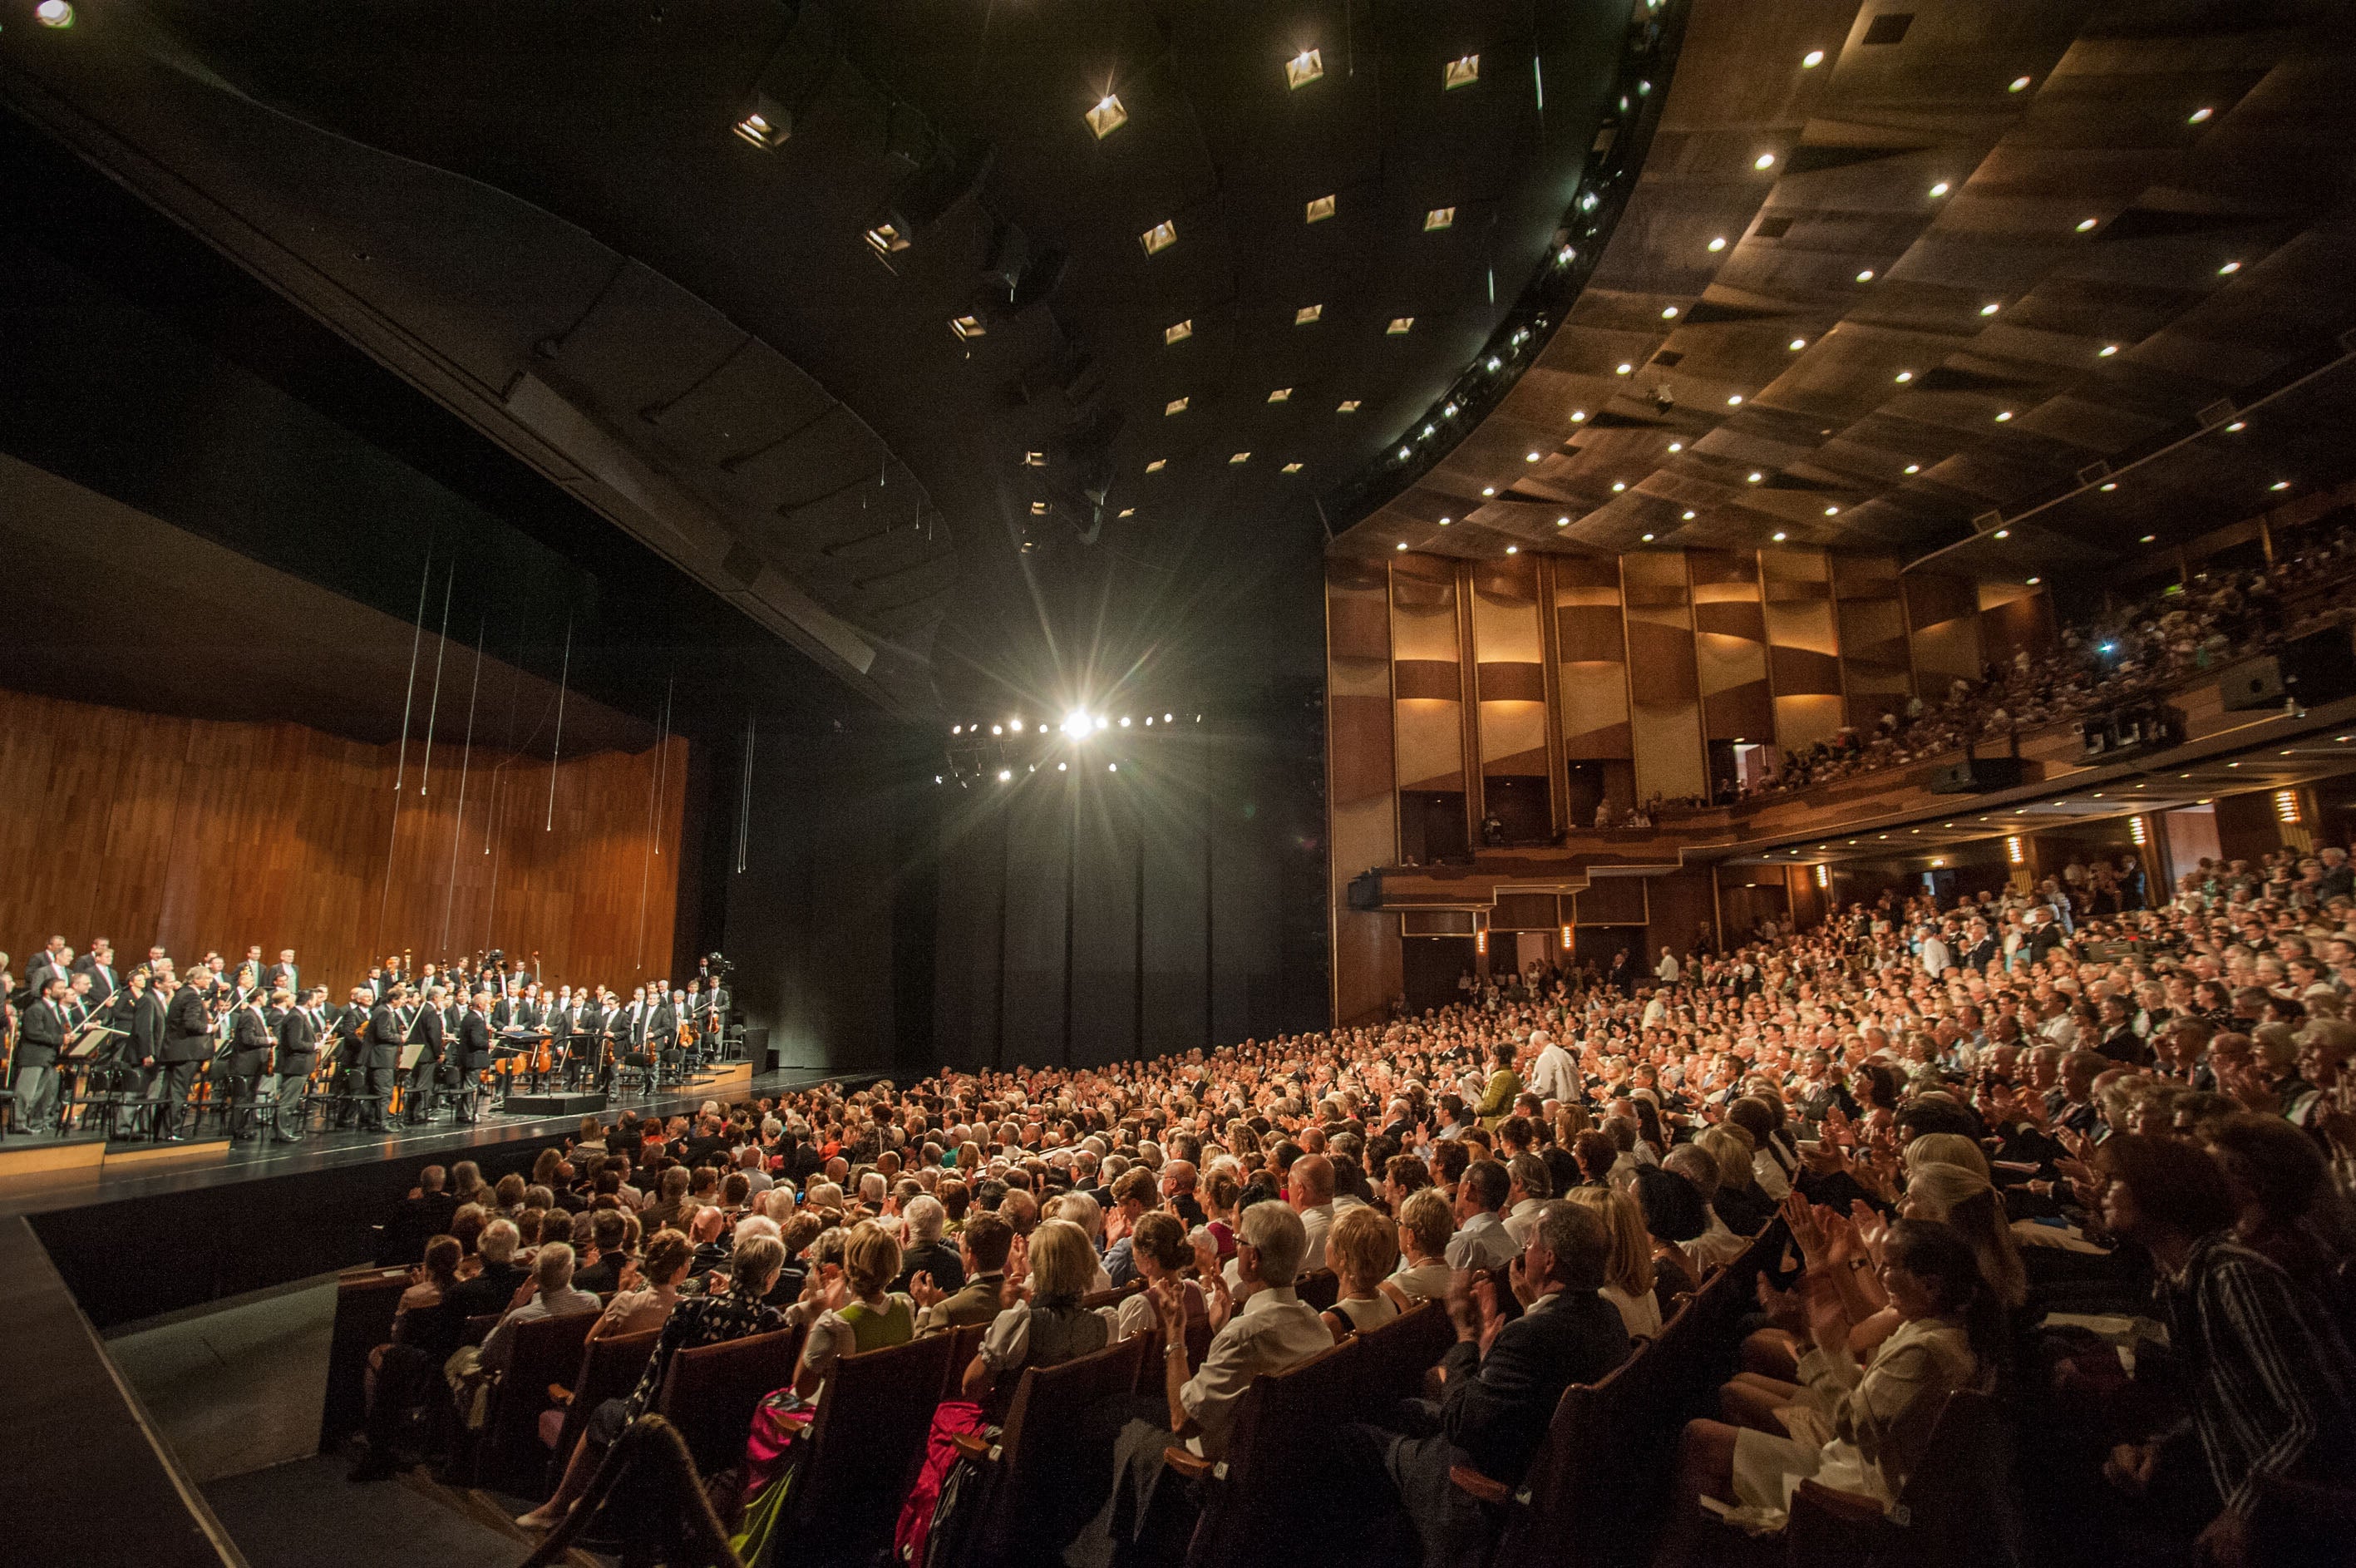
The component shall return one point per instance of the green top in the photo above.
(1497, 1100)
(873, 1330)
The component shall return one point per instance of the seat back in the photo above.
(965, 1343)
(609, 1369)
(1276, 1456)
(861, 1452)
(1585, 1488)
(1051, 1455)
(1398, 1355)
(1320, 1288)
(710, 1393)
(1113, 1297)
(545, 1350)
(365, 1300)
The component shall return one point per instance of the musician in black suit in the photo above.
(283, 975)
(604, 1021)
(472, 1055)
(140, 1015)
(662, 1029)
(346, 1028)
(250, 1039)
(40, 1035)
(425, 1028)
(187, 1044)
(299, 1033)
(99, 964)
(388, 1028)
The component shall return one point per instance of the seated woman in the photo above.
(646, 1295)
(1856, 1427)
(1425, 1224)
(859, 1311)
(1048, 1326)
(1361, 1250)
(1628, 1273)
(1158, 1245)
(1674, 1214)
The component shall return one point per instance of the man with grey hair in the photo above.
(1309, 1186)
(924, 1251)
(1264, 1326)
(491, 1290)
(1502, 1378)
(552, 1296)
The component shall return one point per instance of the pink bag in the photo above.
(953, 1419)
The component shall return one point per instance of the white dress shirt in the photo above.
(1274, 1330)
(1483, 1243)
(1554, 1076)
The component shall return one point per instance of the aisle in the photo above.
(302, 1514)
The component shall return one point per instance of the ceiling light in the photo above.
(998, 729)
(2004, 534)
(1107, 117)
(2003, 416)
(2106, 350)
(1240, 457)
(1990, 309)
(1648, 538)
(1459, 73)
(1282, 394)
(1812, 60)
(884, 239)
(1939, 189)
(1755, 477)
(1403, 453)
(2229, 269)
(1157, 465)
(1531, 457)
(2279, 485)
(1512, 550)
(1495, 364)
(967, 327)
(1798, 343)
(1734, 402)
(1832, 512)
(2110, 485)
(2087, 223)
(1676, 446)
(1446, 520)
(1175, 405)
(1038, 509)
(1178, 332)
(54, 14)
(2020, 84)
(1488, 490)
(1439, 218)
(755, 128)
(1764, 160)
(1347, 405)
(1159, 237)
(1004, 774)
(1401, 545)
(1688, 517)
(1304, 69)
(2146, 539)
(1866, 276)
(1289, 469)
(2032, 581)
(1562, 522)
(1318, 209)
(1904, 376)
(1449, 412)
(1669, 313)
(1129, 511)
(1619, 485)
(1307, 314)
(2237, 426)
(2199, 116)
(1777, 536)
(1914, 467)
(1718, 243)
(1625, 368)
(1401, 326)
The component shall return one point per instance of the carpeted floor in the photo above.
(234, 1387)
(303, 1514)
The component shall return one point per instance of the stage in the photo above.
(137, 1237)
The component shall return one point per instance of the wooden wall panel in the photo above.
(1663, 685)
(1942, 616)
(1511, 679)
(1803, 671)
(202, 834)
(1426, 650)
(1363, 813)
(1730, 646)
(1876, 667)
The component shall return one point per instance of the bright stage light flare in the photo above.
(1077, 723)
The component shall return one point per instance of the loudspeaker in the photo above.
(1976, 775)
(2317, 669)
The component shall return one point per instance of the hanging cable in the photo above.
(557, 751)
(744, 800)
(400, 770)
(654, 816)
(465, 759)
(434, 709)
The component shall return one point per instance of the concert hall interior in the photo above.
(768, 769)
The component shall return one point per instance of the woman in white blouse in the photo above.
(1425, 1224)
(1361, 1250)
(1049, 1327)
(1628, 1276)
(1159, 1246)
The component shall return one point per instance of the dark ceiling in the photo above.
(542, 215)
(2016, 284)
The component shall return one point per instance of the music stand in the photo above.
(81, 1054)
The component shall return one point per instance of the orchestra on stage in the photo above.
(148, 1052)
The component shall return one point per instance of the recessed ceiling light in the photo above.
(1401, 545)
(884, 239)
(1439, 218)
(1676, 446)
(1866, 276)
(1282, 394)
(1718, 243)
(1914, 467)
(1129, 511)
(2020, 84)
(1625, 368)
(1904, 377)
(1401, 326)
(2146, 539)
(1832, 512)
(1446, 520)
(1619, 485)
(1512, 550)
(1307, 314)
(1157, 465)
(755, 128)
(1562, 522)
(2106, 350)
(1669, 313)
(2279, 485)
(1798, 343)
(2004, 534)
(2087, 223)
(2237, 426)
(2003, 416)
(2110, 485)
(1038, 509)
(54, 14)
(1764, 160)
(1402, 452)
(2229, 269)
(1755, 477)
(1812, 60)
(1178, 332)
(1990, 309)
(1240, 457)
(2198, 115)
(1648, 538)
(1734, 402)
(1777, 536)
(2032, 581)
(1175, 405)
(1459, 73)
(1579, 416)
(1107, 117)
(1688, 517)
(1318, 209)
(1939, 189)
(1304, 69)
(1291, 468)
(1347, 405)
(967, 327)
(1159, 237)
(1488, 490)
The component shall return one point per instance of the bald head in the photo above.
(1311, 1181)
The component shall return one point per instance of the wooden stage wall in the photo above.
(201, 834)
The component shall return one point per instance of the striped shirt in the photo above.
(2273, 1387)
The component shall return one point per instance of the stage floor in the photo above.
(75, 1187)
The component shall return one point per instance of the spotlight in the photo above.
(2195, 118)
(1004, 774)
(1939, 189)
(753, 128)
(998, 729)
(1866, 276)
(1124, 721)
(2004, 534)
(2084, 224)
(2229, 269)
(1103, 723)
(2020, 84)
(1169, 719)
(1107, 117)
(1063, 767)
(1764, 160)
(57, 13)
(1075, 724)
(2106, 350)
(1797, 344)
(1014, 725)
(1812, 60)
(1990, 309)
(1777, 536)
(956, 729)
(1718, 243)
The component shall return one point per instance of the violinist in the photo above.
(250, 1039)
(300, 1029)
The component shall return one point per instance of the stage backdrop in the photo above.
(201, 834)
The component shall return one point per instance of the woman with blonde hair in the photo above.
(859, 1310)
(1947, 1149)
(1738, 1200)
(1628, 1276)
(1361, 1250)
(1425, 1223)
(1044, 1324)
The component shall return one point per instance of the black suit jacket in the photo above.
(298, 1043)
(103, 978)
(425, 1028)
(250, 1039)
(147, 1042)
(474, 1041)
(1497, 1407)
(385, 1037)
(40, 1034)
(188, 1028)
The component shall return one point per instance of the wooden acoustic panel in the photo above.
(200, 834)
